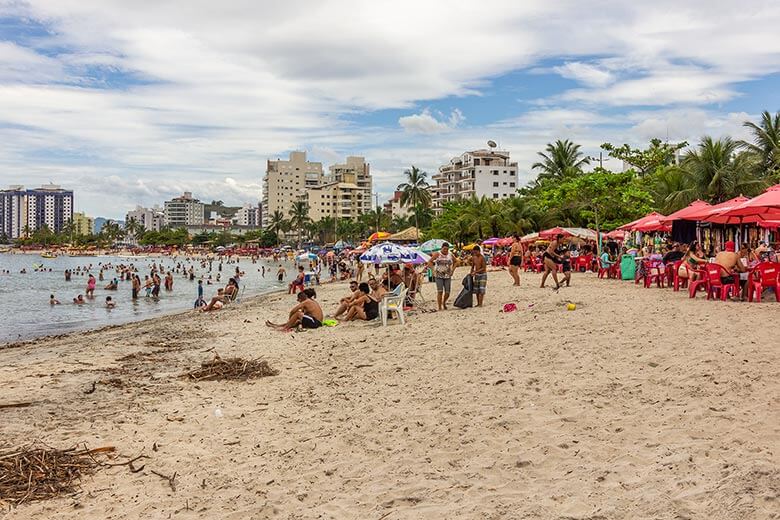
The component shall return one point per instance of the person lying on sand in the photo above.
(307, 313)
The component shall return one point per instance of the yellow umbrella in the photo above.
(469, 247)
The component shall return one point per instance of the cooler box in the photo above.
(627, 267)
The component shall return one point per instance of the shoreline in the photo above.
(634, 405)
(183, 312)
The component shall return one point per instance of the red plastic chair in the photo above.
(671, 273)
(653, 273)
(761, 277)
(677, 280)
(700, 284)
(714, 273)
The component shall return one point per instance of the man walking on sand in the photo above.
(443, 264)
(479, 274)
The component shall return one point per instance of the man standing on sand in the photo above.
(443, 264)
(479, 274)
(307, 314)
(515, 260)
(551, 260)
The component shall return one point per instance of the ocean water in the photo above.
(25, 311)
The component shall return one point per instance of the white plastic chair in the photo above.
(393, 303)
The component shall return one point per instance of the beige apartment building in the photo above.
(358, 172)
(341, 199)
(479, 173)
(82, 224)
(287, 181)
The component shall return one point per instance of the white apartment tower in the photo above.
(152, 219)
(479, 173)
(286, 181)
(183, 211)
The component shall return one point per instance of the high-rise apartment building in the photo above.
(82, 224)
(21, 209)
(358, 172)
(183, 211)
(394, 209)
(13, 212)
(248, 216)
(152, 219)
(340, 199)
(479, 173)
(286, 181)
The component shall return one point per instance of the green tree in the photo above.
(765, 147)
(276, 223)
(299, 217)
(560, 160)
(714, 171)
(415, 193)
(649, 160)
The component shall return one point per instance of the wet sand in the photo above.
(641, 403)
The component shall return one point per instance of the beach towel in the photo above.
(466, 297)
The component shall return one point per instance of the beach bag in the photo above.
(466, 297)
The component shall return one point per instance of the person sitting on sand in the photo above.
(217, 302)
(364, 307)
(346, 300)
(298, 283)
(307, 313)
(231, 290)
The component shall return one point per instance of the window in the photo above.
(511, 173)
(495, 184)
(504, 171)
(504, 184)
(494, 172)
(511, 184)
(495, 195)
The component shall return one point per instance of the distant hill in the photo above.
(100, 222)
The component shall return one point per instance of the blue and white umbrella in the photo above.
(305, 257)
(389, 253)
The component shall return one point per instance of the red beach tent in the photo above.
(683, 214)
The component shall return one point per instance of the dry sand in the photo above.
(641, 403)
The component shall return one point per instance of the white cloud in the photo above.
(216, 92)
(426, 123)
(585, 73)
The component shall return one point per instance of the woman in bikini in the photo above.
(515, 260)
(551, 260)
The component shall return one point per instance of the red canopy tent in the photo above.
(653, 217)
(765, 206)
(682, 214)
(648, 226)
(717, 213)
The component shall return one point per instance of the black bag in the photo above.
(466, 297)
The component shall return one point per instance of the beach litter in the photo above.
(571, 306)
(39, 472)
(235, 369)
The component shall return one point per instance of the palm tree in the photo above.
(299, 217)
(670, 190)
(562, 159)
(517, 214)
(765, 147)
(415, 193)
(715, 171)
(276, 223)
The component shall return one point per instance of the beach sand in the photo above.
(641, 403)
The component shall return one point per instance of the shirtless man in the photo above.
(732, 263)
(515, 260)
(345, 301)
(307, 314)
(280, 273)
(551, 261)
(479, 272)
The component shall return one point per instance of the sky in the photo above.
(135, 102)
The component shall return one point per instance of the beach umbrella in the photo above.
(553, 232)
(490, 241)
(469, 247)
(305, 257)
(431, 246)
(617, 234)
(682, 214)
(388, 253)
(632, 226)
(530, 237)
(379, 235)
(342, 245)
(652, 225)
(765, 206)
